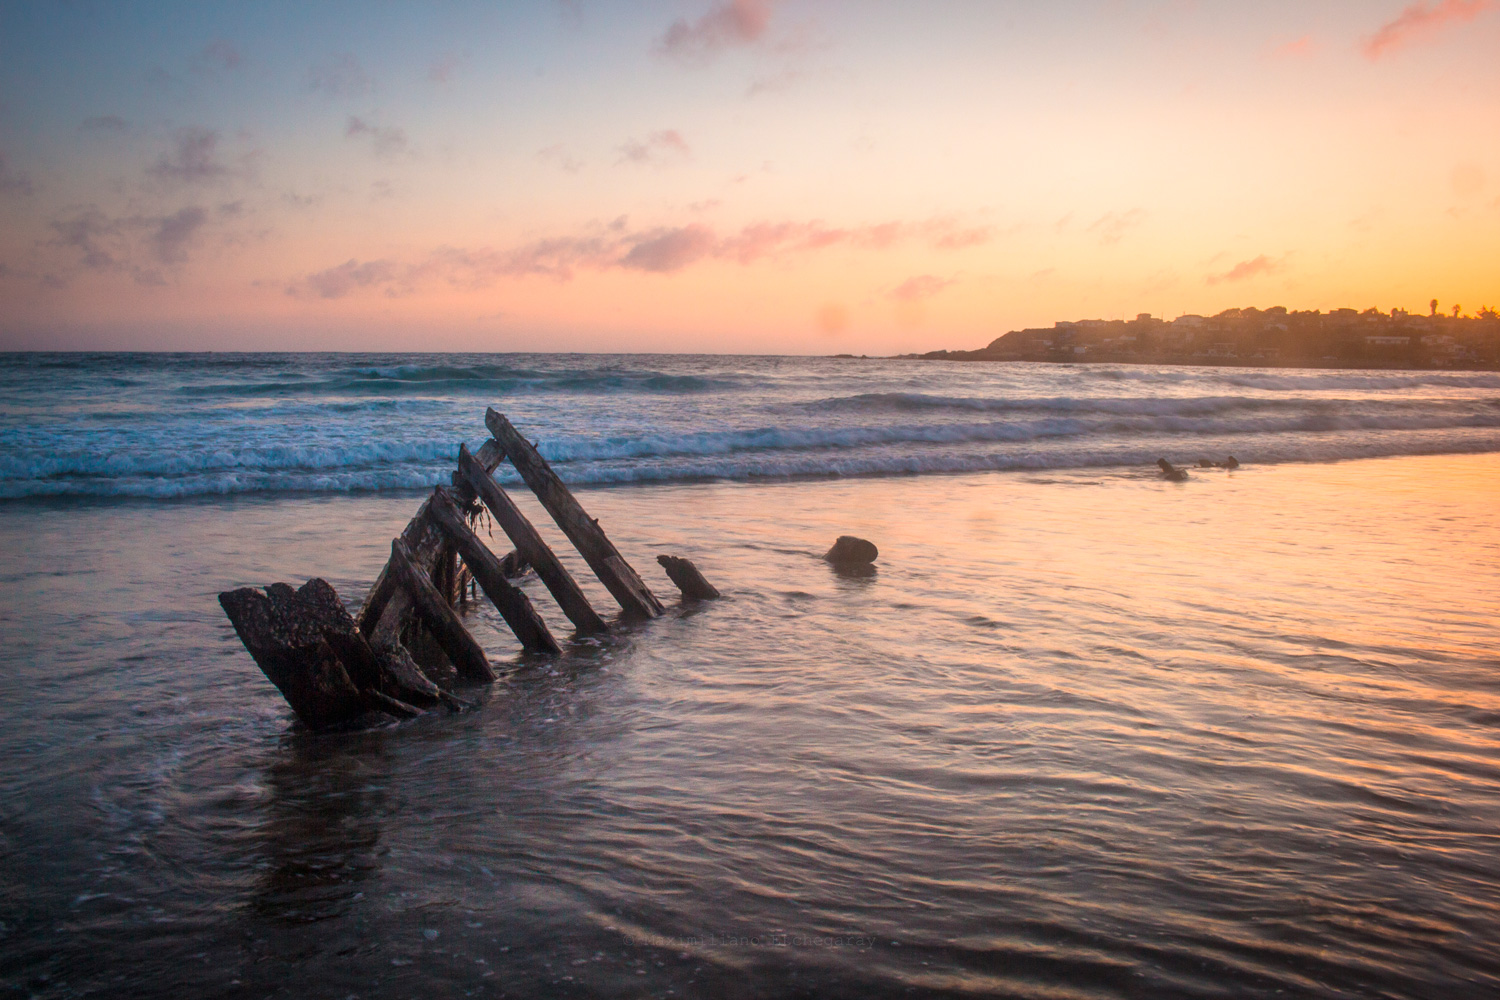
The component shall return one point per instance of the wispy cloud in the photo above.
(658, 148)
(670, 249)
(737, 22)
(220, 54)
(444, 67)
(1419, 19)
(95, 237)
(558, 155)
(386, 140)
(339, 281)
(1296, 48)
(339, 76)
(659, 250)
(14, 182)
(172, 234)
(1111, 227)
(137, 245)
(1246, 269)
(193, 158)
(923, 286)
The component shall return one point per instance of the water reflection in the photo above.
(322, 826)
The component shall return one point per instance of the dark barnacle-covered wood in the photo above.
(692, 583)
(514, 606)
(400, 675)
(308, 646)
(456, 642)
(583, 531)
(530, 546)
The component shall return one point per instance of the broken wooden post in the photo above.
(514, 606)
(530, 546)
(583, 531)
(689, 580)
(456, 642)
(308, 646)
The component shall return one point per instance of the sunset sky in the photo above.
(804, 176)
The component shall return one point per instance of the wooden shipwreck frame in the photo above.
(408, 646)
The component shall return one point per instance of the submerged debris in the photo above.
(408, 645)
(1170, 472)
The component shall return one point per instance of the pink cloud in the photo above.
(1296, 48)
(670, 250)
(1247, 269)
(923, 286)
(1111, 227)
(336, 282)
(738, 22)
(659, 148)
(661, 250)
(1419, 19)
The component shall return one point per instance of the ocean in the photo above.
(179, 425)
(1083, 733)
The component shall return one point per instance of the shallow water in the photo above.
(1083, 734)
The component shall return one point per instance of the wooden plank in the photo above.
(530, 545)
(459, 646)
(583, 531)
(426, 544)
(513, 605)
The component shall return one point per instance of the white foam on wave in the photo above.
(885, 460)
(78, 432)
(153, 462)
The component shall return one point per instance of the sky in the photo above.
(731, 176)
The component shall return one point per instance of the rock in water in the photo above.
(851, 551)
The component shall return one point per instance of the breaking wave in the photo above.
(186, 425)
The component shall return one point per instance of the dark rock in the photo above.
(1233, 463)
(851, 551)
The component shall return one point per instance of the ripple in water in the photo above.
(1078, 736)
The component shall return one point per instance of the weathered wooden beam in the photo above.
(514, 606)
(530, 546)
(459, 646)
(692, 583)
(583, 531)
(426, 544)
